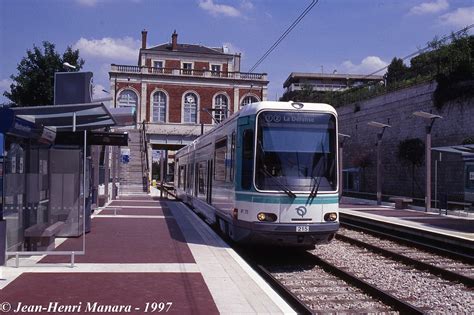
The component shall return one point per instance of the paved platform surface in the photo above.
(460, 227)
(142, 255)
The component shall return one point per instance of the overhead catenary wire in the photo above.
(284, 34)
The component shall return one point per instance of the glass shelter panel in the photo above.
(43, 197)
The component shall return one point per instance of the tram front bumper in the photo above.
(286, 234)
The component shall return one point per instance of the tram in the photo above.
(268, 174)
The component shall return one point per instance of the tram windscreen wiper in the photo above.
(269, 175)
(317, 181)
(280, 184)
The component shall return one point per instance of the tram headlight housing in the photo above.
(330, 216)
(268, 217)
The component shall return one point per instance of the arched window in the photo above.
(127, 98)
(190, 108)
(221, 106)
(159, 106)
(249, 99)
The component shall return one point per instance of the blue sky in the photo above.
(350, 36)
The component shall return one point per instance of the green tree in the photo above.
(397, 71)
(412, 151)
(34, 83)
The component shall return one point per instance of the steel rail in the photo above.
(413, 238)
(387, 298)
(420, 265)
(299, 306)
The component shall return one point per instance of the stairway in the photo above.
(131, 174)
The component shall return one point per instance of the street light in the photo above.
(68, 65)
(432, 119)
(342, 138)
(382, 128)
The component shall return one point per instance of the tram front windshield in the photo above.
(296, 151)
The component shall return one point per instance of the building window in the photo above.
(187, 67)
(190, 108)
(215, 70)
(159, 106)
(158, 66)
(221, 103)
(249, 99)
(127, 98)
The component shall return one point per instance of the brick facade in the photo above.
(144, 80)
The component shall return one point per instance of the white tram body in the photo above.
(268, 174)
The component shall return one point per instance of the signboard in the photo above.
(125, 155)
(471, 175)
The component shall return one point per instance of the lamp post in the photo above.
(429, 127)
(68, 65)
(381, 127)
(342, 138)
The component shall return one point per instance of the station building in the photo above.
(179, 91)
(176, 87)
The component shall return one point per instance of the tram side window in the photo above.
(202, 179)
(247, 159)
(232, 156)
(190, 176)
(182, 176)
(219, 160)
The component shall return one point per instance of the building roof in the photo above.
(189, 48)
(333, 76)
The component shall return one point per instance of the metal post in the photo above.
(162, 172)
(428, 169)
(379, 170)
(114, 172)
(83, 197)
(106, 173)
(74, 122)
(436, 183)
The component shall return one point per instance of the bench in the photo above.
(464, 205)
(401, 202)
(41, 236)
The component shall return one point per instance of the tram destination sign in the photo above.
(271, 118)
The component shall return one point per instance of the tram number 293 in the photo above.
(302, 228)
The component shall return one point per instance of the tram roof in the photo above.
(254, 108)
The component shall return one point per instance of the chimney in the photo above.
(174, 41)
(144, 33)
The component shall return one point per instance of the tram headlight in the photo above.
(330, 216)
(268, 217)
(261, 216)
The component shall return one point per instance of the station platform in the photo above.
(145, 255)
(461, 228)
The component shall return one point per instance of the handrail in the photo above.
(189, 72)
(144, 156)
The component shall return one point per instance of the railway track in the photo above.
(319, 287)
(425, 240)
(422, 259)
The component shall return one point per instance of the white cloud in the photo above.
(117, 49)
(99, 93)
(460, 18)
(218, 9)
(247, 5)
(429, 7)
(5, 84)
(87, 3)
(368, 65)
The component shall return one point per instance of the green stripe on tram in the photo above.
(285, 200)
